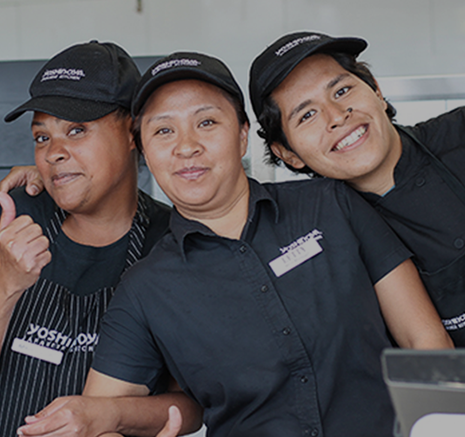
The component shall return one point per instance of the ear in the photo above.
(380, 94)
(244, 138)
(288, 156)
(128, 125)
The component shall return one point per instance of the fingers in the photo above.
(173, 426)
(8, 210)
(23, 254)
(20, 176)
(51, 421)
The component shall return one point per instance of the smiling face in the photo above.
(193, 144)
(85, 166)
(337, 125)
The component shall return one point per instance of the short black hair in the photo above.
(270, 118)
(242, 116)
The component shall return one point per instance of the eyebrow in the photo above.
(331, 84)
(168, 116)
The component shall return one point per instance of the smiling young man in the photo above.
(267, 303)
(322, 112)
(62, 257)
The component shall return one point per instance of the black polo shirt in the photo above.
(429, 217)
(290, 349)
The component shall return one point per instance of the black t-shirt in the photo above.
(278, 333)
(85, 269)
(49, 344)
(428, 216)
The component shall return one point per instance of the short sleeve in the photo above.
(126, 349)
(380, 248)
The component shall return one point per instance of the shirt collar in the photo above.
(411, 160)
(182, 227)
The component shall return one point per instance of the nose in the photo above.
(56, 152)
(188, 145)
(337, 115)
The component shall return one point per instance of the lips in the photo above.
(64, 178)
(192, 173)
(351, 139)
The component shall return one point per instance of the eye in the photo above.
(307, 115)
(163, 131)
(206, 123)
(76, 130)
(342, 91)
(40, 139)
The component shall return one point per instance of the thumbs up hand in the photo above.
(23, 252)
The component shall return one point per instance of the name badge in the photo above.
(36, 351)
(296, 256)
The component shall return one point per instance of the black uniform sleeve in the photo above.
(126, 349)
(380, 248)
(40, 207)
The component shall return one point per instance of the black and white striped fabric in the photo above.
(60, 323)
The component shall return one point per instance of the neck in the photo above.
(381, 179)
(105, 226)
(229, 219)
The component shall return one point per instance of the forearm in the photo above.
(409, 312)
(145, 416)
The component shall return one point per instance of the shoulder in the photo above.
(41, 207)
(158, 214)
(449, 126)
(309, 193)
(303, 187)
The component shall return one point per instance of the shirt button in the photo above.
(286, 331)
(458, 243)
(314, 432)
(303, 379)
(242, 249)
(264, 288)
(420, 182)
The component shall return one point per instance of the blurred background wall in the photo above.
(407, 37)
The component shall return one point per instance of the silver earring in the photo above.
(349, 109)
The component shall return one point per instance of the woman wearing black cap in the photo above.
(63, 255)
(268, 303)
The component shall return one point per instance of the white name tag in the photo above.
(295, 257)
(34, 350)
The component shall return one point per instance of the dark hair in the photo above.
(270, 119)
(121, 112)
(242, 116)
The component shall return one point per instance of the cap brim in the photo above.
(185, 73)
(65, 108)
(352, 46)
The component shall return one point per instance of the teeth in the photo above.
(354, 136)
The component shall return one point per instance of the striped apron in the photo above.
(51, 337)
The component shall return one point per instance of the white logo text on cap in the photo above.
(175, 63)
(290, 45)
(63, 73)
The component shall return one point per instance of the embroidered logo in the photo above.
(63, 73)
(296, 42)
(454, 323)
(175, 63)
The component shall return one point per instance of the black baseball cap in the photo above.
(274, 64)
(83, 83)
(185, 65)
